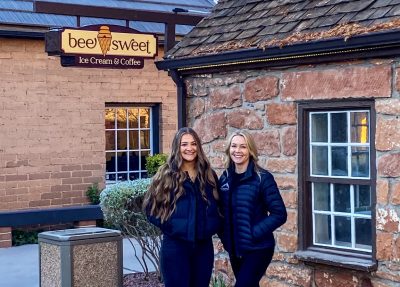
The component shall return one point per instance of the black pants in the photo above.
(186, 264)
(249, 268)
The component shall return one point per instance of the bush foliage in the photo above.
(117, 200)
(93, 193)
(21, 237)
(153, 162)
(121, 204)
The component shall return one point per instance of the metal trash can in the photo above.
(81, 257)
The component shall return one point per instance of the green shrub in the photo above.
(93, 193)
(21, 237)
(121, 204)
(153, 162)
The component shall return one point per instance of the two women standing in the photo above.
(185, 202)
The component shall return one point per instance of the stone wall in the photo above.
(52, 137)
(264, 103)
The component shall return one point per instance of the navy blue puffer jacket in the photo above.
(252, 210)
(193, 219)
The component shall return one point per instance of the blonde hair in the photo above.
(169, 179)
(251, 146)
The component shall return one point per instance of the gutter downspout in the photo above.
(181, 97)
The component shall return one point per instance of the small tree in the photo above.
(121, 204)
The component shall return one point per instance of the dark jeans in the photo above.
(186, 264)
(249, 268)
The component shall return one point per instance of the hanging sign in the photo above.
(102, 46)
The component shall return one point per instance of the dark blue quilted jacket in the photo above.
(185, 223)
(252, 211)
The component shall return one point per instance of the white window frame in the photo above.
(331, 213)
(141, 172)
(352, 215)
(330, 144)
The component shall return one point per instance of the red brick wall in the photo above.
(52, 122)
(264, 102)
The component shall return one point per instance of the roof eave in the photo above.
(308, 52)
(21, 34)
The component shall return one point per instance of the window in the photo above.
(131, 135)
(337, 183)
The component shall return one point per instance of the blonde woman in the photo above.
(182, 202)
(252, 208)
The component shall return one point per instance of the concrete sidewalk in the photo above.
(19, 266)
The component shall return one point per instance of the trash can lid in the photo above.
(79, 234)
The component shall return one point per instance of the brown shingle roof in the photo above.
(243, 24)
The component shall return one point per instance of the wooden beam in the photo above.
(116, 13)
(169, 39)
(169, 19)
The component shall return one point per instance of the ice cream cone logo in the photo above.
(104, 37)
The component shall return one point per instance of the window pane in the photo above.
(320, 160)
(110, 118)
(359, 127)
(134, 175)
(145, 139)
(143, 159)
(144, 118)
(110, 177)
(122, 176)
(339, 127)
(133, 140)
(110, 161)
(339, 158)
(360, 161)
(362, 199)
(339, 161)
(133, 161)
(121, 118)
(121, 140)
(110, 140)
(323, 229)
(122, 161)
(319, 127)
(133, 115)
(128, 131)
(343, 231)
(363, 233)
(322, 197)
(341, 193)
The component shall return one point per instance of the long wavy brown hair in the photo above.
(167, 184)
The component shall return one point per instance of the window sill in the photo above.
(344, 261)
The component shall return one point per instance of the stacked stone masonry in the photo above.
(264, 102)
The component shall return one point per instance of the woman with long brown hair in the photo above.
(182, 202)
